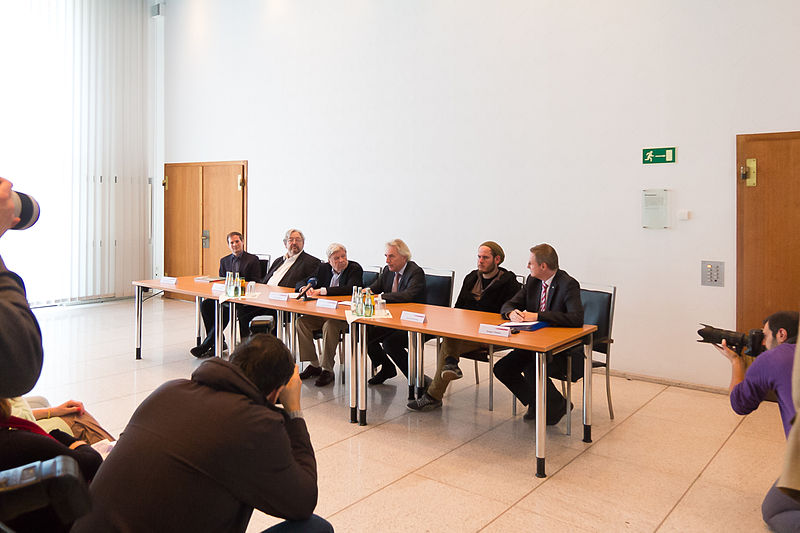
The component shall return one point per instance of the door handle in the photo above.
(206, 238)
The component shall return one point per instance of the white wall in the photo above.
(448, 123)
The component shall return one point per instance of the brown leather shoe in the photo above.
(310, 372)
(326, 378)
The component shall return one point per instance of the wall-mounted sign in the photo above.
(658, 155)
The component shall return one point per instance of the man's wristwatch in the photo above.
(295, 414)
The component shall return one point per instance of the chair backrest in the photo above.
(370, 275)
(263, 262)
(598, 310)
(439, 286)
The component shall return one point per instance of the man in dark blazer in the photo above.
(249, 269)
(552, 296)
(400, 281)
(337, 277)
(286, 271)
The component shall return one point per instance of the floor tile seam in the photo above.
(584, 451)
(697, 477)
(359, 500)
(369, 427)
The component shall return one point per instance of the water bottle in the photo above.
(237, 285)
(369, 304)
(228, 284)
(354, 299)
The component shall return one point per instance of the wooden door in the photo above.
(183, 196)
(202, 198)
(767, 218)
(223, 210)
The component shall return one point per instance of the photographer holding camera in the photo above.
(772, 370)
(20, 337)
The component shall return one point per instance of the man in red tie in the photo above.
(549, 295)
(401, 281)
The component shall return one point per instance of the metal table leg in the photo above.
(197, 302)
(138, 304)
(362, 375)
(354, 373)
(587, 391)
(234, 340)
(412, 365)
(280, 328)
(420, 350)
(220, 335)
(491, 377)
(541, 386)
(293, 335)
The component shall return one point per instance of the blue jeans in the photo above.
(315, 524)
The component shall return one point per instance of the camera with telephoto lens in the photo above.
(751, 343)
(26, 208)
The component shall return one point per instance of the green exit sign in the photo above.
(658, 155)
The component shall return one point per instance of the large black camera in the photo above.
(751, 343)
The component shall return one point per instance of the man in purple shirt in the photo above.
(771, 371)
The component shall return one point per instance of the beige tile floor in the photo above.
(673, 459)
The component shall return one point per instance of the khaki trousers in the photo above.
(450, 348)
(331, 331)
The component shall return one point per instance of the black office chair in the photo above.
(262, 323)
(598, 310)
(55, 487)
(370, 275)
(438, 291)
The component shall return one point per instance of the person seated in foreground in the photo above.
(771, 371)
(23, 442)
(337, 277)
(553, 296)
(485, 289)
(70, 417)
(200, 454)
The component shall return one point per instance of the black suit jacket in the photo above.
(352, 276)
(248, 266)
(563, 307)
(304, 266)
(498, 292)
(410, 289)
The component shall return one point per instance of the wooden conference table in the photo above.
(439, 322)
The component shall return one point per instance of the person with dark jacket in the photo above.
(200, 454)
(286, 271)
(337, 277)
(249, 269)
(485, 289)
(23, 442)
(401, 281)
(550, 295)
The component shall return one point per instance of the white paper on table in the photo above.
(280, 296)
(218, 287)
(327, 304)
(104, 447)
(169, 280)
(348, 303)
(518, 324)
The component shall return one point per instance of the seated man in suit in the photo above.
(485, 289)
(552, 296)
(248, 267)
(286, 271)
(401, 281)
(337, 277)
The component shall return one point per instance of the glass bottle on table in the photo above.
(229, 284)
(237, 285)
(369, 305)
(354, 299)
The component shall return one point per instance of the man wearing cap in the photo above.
(486, 288)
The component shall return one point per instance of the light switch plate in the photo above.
(712, 273)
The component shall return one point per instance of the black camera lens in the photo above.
(26, 208)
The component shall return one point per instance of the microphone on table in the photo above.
(312, 283)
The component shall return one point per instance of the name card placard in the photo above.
(169, 280)
(218, 287)
(280, 296)
(419, 318)
(499, 331)
(328, 304)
